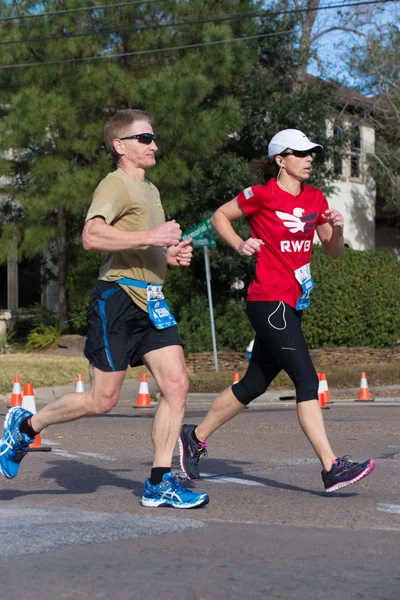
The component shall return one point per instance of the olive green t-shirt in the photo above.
(130, 205)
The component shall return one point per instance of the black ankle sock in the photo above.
(26, 427)
(195, 438)
(157, 473)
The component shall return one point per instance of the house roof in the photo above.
(350, 99)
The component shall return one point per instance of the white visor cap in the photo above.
(293, 139)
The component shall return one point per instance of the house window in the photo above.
(355, 152)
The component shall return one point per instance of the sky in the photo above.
(333, 48)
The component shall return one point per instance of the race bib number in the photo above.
(303, 276)
(159, 311)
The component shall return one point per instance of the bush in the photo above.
(27, 319)
(355, 301)
(6, 339)
(232, 328)
(44, 336)
(83, 273)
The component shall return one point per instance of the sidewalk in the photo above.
(130, 389)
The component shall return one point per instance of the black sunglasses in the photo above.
(299, 153)
(142, 138)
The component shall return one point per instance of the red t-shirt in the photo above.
(286, 224)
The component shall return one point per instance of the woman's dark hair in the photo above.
(264, 169)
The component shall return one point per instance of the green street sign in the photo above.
(198, 231)
(209, 242)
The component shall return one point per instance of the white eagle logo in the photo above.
(296, 222)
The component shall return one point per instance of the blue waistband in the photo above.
(135, 282)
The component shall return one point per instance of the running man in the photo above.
(129, 322)
(283, 215)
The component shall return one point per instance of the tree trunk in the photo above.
(305, 40)
(62, 265)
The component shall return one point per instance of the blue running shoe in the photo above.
(171, 493)
(14, 444)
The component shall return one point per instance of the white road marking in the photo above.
(96, 455)
(390, 508)
(218, 479)
(78, 454)
(64, 453)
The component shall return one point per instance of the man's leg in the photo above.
(167, 365)
(101, 397)
(21, 426)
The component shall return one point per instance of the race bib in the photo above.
(159, 311)
(303, 276)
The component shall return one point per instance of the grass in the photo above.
(45, 370)
(338, 378)
(50, 370)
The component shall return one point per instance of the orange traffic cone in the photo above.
(28, 402)
(143, 399)
(28, 399)
(325, 389)
(236, 378)
(364, 395)
(321, 396)
(79, 384)
(16, 396)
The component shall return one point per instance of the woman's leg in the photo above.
(261, 371)
(279, 327)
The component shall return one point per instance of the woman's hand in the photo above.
(250, 246)
(334, 217)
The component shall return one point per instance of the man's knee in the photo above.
(102, 402)
(175, 385)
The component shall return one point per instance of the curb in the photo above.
(130, 390)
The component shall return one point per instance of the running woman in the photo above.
(283, 215)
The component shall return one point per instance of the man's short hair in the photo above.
(118, 125)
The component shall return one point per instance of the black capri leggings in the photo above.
(279, 344)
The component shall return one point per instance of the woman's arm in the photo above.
(331, 233)
(222, 223)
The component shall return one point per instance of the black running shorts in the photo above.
(120, 332)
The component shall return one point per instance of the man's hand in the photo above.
(334, 217)
(250, 246)
(180, 255)
(167, 234)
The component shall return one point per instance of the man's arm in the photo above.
(97, 235)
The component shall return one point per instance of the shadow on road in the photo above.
(76, 477)
(227, 469)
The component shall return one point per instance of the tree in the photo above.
(54, 114)
(271, 99)
(377, 69)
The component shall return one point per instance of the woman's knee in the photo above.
(248, 389)
(307, 388)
